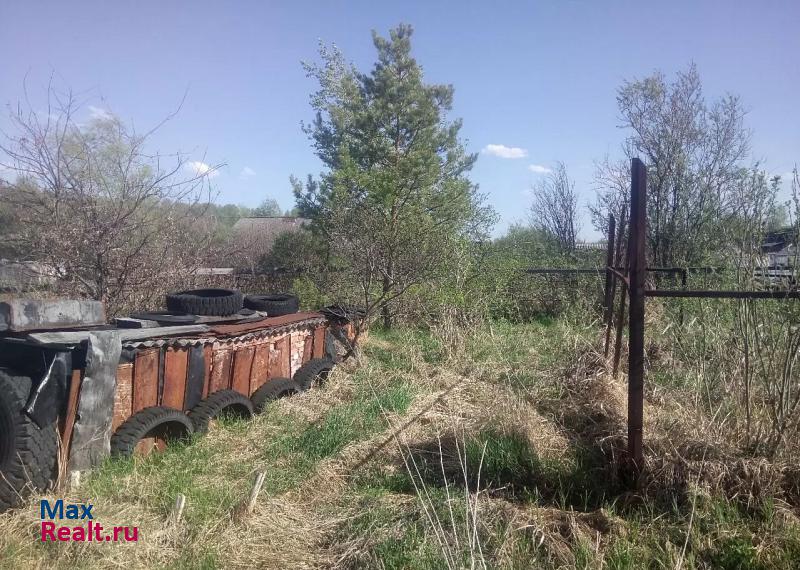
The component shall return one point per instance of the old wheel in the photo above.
(313, 373)
(274, 305)
(28, 453)
(273, 390)
(206, 302)
(224, 402)
(154, 426)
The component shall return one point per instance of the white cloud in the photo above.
(201, 169)
(246, 173)
(100, 114)
(539, 169)
(504, 151)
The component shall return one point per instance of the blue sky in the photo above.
(539, 76)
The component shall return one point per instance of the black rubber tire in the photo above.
(28, 453)
(274, 305)
(157, 421)
(224, 401)
(167, 317)
(274, 389)
(206, 302)
(313, 373)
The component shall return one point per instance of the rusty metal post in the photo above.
(636, 279)
(684, 279)
(608, 298)
(623, 298)
(623, 291)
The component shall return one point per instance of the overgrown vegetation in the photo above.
(483, 427)
(503, 456)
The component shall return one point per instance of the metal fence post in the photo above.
(637, 261)
(608, 299)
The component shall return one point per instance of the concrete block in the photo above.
(36, 314)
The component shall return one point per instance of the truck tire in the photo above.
(217, 404)
(206, 302)
(28, 454)
(313, 373)
(274, 305)
(157, 421)
(274, 389)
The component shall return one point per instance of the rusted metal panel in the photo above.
(176, 363)
(285, 360)
(161, 366)
(208, 361)
(308, 347)
(72, 408)
(264, 323)
(259, 373)
(351, 333)
(220, 369)
(123, 399)
(195, 377)
(279, 358)
(242, 365)
(145, 379)
(319, 341)
(297, 344)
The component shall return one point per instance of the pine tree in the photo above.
(395, 197)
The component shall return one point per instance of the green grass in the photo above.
(174, 472)
(299, 447)
(379, 507)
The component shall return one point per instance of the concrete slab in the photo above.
(36, 314)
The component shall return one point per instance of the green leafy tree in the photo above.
(693, 150)
(395, 198)
(269, 207)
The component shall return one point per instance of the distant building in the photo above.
(592, 245)
(780, 248)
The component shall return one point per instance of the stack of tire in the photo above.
(170, 424)
(28, 452)
(224, 302)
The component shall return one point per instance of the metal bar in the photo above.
(623, 298)
(616, 261)
(684, 279)
(681, 270)
(607, 301)
(637, 259)
(600, 270)
(672, 293)
(559, 271)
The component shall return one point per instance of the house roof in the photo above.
(277, 224)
